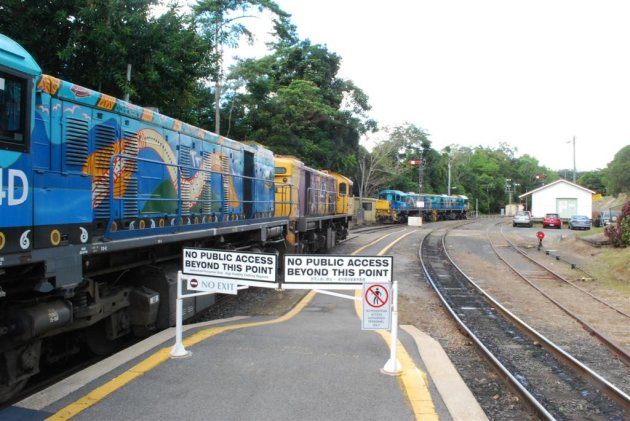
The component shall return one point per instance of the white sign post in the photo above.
(206, 286)
(392, 366)
(219, 271)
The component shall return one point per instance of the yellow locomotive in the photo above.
(318, 204)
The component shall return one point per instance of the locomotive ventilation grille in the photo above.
(130, 147)
(76, 142)
(185, 160)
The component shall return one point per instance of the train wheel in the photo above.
(96, 339)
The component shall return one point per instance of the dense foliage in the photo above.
(491, 178)
(293, 102)
(593, 180)
(619, 233)
(221, 23)
(618, 173)
(91, 43)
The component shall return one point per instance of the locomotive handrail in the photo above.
(329, 206)
(281, 189)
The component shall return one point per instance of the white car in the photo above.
(522, 218)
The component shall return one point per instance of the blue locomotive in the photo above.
(96, 191)
(397, 206)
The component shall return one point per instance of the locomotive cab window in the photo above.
(14, 122)
(343, 189)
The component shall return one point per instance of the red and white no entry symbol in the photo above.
(376, 296)
(194, 283)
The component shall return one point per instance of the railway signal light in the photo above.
(540, 236)
(415, 162)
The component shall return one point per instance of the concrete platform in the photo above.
(314, 363)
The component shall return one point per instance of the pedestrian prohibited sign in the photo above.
(377, 308)
(376, 295)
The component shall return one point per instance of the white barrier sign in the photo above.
(254, 269)
(335, 272)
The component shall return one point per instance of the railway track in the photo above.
(573, 300)
(555, 384)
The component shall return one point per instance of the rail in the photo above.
(614, 347)
(499, 339)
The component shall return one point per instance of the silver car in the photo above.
(609, 217)
(579, 222)
(522, 218)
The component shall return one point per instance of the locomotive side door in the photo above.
(62, 191)
(308, 198)
(248, 184)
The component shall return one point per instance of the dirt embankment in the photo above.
(610, 202)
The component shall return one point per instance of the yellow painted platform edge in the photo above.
(158, 358)
(412, 380)
(457, 397)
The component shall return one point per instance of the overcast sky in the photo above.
(532, 74)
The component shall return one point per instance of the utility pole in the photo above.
(128, 81)
(574, 169)
(508, 189)
(449, 174)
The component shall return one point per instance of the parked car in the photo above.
(522, 218)
(579, 222)
(609, 217)
(552, 220)
(605, 218)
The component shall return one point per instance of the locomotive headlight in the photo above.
(284, 179)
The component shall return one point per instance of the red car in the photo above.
(552, 220)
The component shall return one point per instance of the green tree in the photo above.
(486, 173)
(293, 102)
(410, 143)
(375, 169)
(618, 173)
(54, 20)
(91, 43)
(526, 169)
(593, 180)
(221, 23)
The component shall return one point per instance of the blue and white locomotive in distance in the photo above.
(397, 206)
